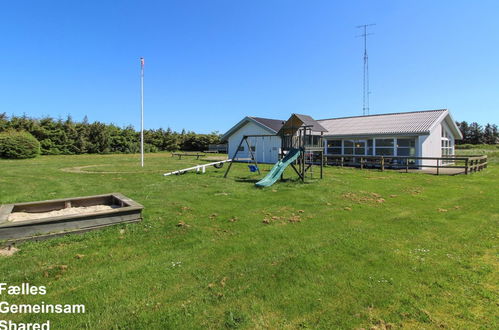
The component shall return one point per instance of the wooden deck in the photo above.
(450, 165)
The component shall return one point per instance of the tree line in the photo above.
(68, 137)
(475, 133)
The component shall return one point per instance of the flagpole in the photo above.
(142, 111)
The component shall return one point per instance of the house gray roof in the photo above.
(273, 124)
(417, 122)
(403, 123)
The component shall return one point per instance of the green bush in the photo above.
(18, 145)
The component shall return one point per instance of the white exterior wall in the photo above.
(431, 145)
(266, 148)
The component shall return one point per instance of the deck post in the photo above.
(361, 163)
(322, 162)
(466, 166)
(303, 163)
(438, 166)
(407, 165)
(382, 163)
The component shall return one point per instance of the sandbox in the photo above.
(37, 220)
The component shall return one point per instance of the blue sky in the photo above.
(209, 63)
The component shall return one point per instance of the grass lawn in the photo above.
(358, 249)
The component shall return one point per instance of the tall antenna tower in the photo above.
(366, 91)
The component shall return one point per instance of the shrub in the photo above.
(18, 145)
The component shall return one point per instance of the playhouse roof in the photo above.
(297, 120)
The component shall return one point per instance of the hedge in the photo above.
(18, 145)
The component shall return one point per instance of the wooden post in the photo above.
(407, 165)
(322, 162)
(382, 163)
(342, 160)
(438, 166)
(466, 166)
(303, 164)
(361, 163)
(233, 157)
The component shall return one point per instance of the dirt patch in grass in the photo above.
(283, 215)
(8, 251)
(83, 170)
(414, 190)
(364, 197)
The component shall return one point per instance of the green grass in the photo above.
(358, 249)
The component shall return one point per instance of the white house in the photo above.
(266, 148)
(429, 133)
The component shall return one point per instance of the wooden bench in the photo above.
(180, 155)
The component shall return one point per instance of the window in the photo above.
(384, 143)
(354, 147)
(360, 147)
(384, 147)
(406, 147)
(370, 147)
(347, 147)
(447, 143)
(334, 147)
(241, 148)
(384, 151)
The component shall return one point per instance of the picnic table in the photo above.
(180, 155)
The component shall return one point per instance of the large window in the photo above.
(447, 143)
(384, 147)
(334, 147)
(354, 147)
(360, 147)
(406, 147)
(348, 147)
(370, 149)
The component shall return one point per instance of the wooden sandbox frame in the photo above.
(126, 211)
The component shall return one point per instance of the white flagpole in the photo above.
(142, 111)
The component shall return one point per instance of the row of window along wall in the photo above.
(372, 147)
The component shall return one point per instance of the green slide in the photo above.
(279, 167)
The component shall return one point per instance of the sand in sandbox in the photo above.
(20, 216)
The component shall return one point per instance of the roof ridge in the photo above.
(253, 117)
(383, 114)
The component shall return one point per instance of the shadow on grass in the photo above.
(246, 180)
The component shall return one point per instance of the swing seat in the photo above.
(253, 168)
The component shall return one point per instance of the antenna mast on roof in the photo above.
(365, 92)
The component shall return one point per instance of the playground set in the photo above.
(301, 148)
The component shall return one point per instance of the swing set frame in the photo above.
(253, 158)
(301, 138)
